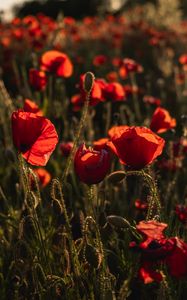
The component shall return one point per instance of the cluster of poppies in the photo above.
(157, 250)
(141, 136)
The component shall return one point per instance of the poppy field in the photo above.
(93, 168)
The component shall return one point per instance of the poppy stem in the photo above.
(77, 137)
(154, 201)
(31, 202)
(134, 96)
(56, 187)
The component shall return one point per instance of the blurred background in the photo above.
(75, 8)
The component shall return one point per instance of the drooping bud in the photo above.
(118, 221)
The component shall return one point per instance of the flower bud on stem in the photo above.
(88, 84)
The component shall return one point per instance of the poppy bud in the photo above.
(91, 166)
(88, 82)
(66, 148)
(118, 221)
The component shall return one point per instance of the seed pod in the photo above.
(88, 82)
(118, 221)
(93, 256)
(116, 177)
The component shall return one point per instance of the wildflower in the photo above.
(43, 175)
(136, 146)
(37, 79)
(66, 148)
(31, 106)
(34, 136)
(114, 91)
(91, 166)
(57, 62)
(162, 121)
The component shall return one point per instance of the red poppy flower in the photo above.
(152, 229)
(117, 130)
(43, 175)
(99, 60)
(114, 91)
(57, 62)
(100, 144)
(177, 260)
(91, 166)
(162, 121)
(141, 205)
(136, 146)
(31, 106)
(112, 76)
(128, 66)
(157, 250)
(37, 79)
(183, 59)
(34, 136)
(181, 212)
(147, 274)
(151, 100)
(66, 148)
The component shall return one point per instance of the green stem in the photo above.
(154, 198)
(77, 137)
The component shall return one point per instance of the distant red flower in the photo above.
(37, 79)
(129, 66)
(114, 91)
(91, 166)
(43, 175)
(34, 136)
(170, 164)
(181, 212)
(99, 60)
(151, 100)
(141, 205)
(112, 76)
(66, 148)
(77, 102)
(31, 106)
(183, 59)
(180, 78)
(162, 121)
(57, 62)
(136, 147)
(130, 90)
